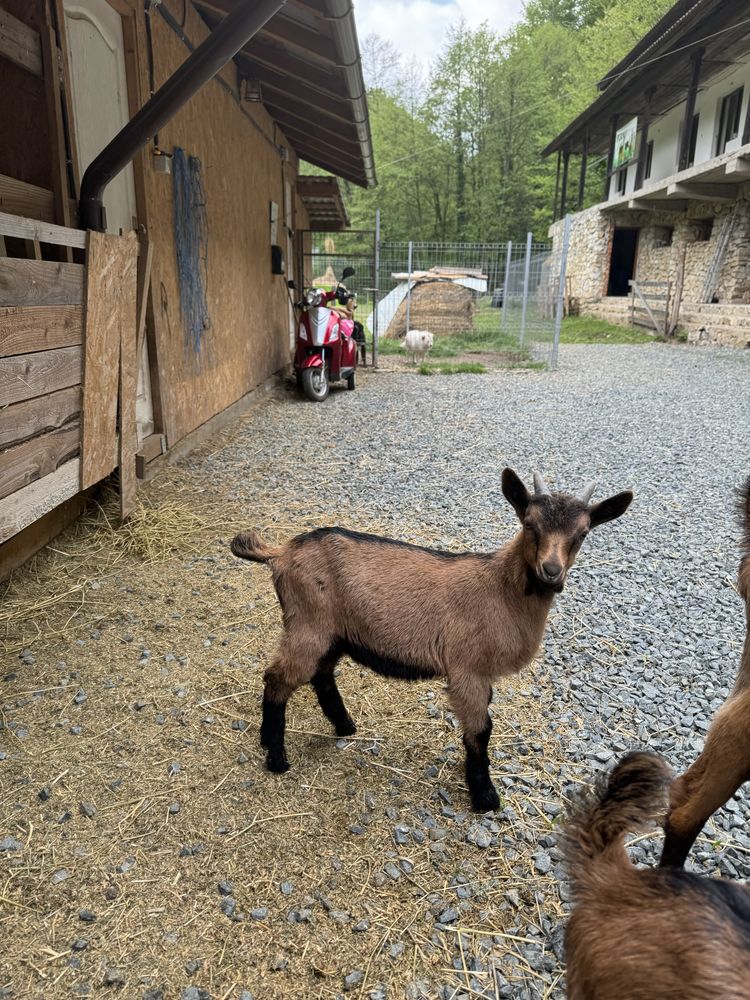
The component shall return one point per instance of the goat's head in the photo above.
(555, 525)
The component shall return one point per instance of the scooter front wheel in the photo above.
(315, 383)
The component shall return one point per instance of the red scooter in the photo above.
(326, 350)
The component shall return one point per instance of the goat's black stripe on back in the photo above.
(728, 903)
(386, 666)
(360, 536)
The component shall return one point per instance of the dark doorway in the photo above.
(622, 261)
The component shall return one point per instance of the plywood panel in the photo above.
(110, 316)
(19, 198)
(25, 376)
(27, 505)
(37, 458)
(25, 420)
(39, 328)
(40, 283)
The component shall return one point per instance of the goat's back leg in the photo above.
(329, 696)
(712, 780)
(470, 698)
(295, 664)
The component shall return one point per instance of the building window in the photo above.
(693, 140)
(702, 230)
(649, 160)
(729, 119)
(621, 178)
(663, 236)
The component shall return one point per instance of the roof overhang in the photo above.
(655, 75)
(307, 62)
(321, 197)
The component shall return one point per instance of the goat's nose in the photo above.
(552, 568)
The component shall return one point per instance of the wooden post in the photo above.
(687, 119)
(582, 178)
(610, 155)
(746, 128)
(557, 186)
(564, 193)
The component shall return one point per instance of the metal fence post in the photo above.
(408, 288)
(376, 292)
(560, 292)
(506, 282)
(526, 271)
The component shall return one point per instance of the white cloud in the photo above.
(418, 27)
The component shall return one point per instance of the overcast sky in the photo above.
(417, 27)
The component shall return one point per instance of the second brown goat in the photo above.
(724, 764)
(416, 613)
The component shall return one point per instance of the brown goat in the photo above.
(416, 613)
(654, 934)
(724, 764)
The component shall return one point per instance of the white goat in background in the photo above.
(417, 343)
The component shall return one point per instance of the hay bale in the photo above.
(440, 306)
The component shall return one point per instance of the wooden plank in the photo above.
(30, 417)
(53, 98)
(22, 546)
(38, 457)
(151, 447)
(40, 283)
(145, 257)
(20, 43)
(25, 376)
(42, 232)
(39, 328)
(25, 506)
(20, 198)
(110, 316)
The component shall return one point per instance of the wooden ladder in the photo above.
(714, 268)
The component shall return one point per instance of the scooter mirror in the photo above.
(348, 272)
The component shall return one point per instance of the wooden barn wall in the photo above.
(248, 338)
(24, 131)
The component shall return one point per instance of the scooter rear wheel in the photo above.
(315, 383)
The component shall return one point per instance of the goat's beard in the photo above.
(537, 586)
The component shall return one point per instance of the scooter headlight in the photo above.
(314, 297)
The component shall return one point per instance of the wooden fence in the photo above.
(649, 305)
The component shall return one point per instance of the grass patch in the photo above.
(452, 368)
(590, 330)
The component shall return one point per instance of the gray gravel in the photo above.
(643, 645)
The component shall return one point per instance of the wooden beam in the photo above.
(40, 283)
(151, 447)
(27, 505)
(640, 169)
(42, 232)
(25, 420)
(557, 186)
(20, 44)
(582, 177)
(131, 348)
(39, 328)
(703, 191)
(27, 375)
(564, 192)
(687, 118)
(610, 155)
(38, 457)
(20, 198)
(27, 542)
(57, 142)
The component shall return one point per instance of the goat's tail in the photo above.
(629, 799)
(249, 545)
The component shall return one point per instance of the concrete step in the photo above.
(735, 308)
(712, 319)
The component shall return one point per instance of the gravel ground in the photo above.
(360, 873)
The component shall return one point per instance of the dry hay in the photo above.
(440, 306)
(167, 583)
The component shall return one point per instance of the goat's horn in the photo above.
(539, 484)
(587, 492)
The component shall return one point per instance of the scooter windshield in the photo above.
(319, 317)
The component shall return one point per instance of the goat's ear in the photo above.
(515, 492)
(610, 508)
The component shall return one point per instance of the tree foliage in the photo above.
(457, 148)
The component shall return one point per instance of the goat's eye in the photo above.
(583, 534)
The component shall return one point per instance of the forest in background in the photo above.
(457, 144)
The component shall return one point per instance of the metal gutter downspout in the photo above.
(227, 38)
(344, 31)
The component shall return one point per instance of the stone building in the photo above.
(669, 243)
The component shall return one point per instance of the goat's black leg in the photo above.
(329, 696)
(273, 725)
(484, 796)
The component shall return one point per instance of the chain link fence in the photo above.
(503, 300)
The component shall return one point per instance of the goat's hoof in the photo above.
(277, 763)
(485, 800)
(346, 727)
